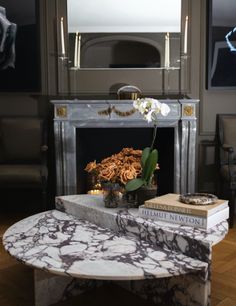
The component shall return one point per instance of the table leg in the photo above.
(51, 288)
(185, 290)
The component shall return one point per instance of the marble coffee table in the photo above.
(81, 244)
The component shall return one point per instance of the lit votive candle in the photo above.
(95, 192)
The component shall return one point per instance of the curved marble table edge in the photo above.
(128, 213)
(202, 265)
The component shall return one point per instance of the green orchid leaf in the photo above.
(150, 166)
(145, 155)
(134, 184)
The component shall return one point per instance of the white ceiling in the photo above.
(124, 16)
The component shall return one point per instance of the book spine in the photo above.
(183, 219)
(175, 209)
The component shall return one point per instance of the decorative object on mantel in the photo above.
(114, 172)
(128, 92)
(198, 198)
(113, 109)
(149, 108)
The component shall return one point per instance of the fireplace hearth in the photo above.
(93, 129)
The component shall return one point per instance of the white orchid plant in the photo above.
(149, 108)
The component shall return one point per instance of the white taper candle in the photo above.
(167, 50)
(76, 50)
(62, 37)
(186, 35)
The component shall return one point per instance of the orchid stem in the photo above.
(154, 137)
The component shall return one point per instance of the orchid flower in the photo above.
(150, 107)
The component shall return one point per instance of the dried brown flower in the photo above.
(107, 174)
(120, 168)
(127, 173)
(91, 166)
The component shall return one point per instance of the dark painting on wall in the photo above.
(25, 77)
(221, 44)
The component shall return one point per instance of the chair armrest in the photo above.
(227, 148)
(44, 150)
(208, 143)
(230, 153)
(230, 156)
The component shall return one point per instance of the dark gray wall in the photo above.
(55, 82)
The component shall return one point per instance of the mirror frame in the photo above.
(212, 60)
(69, 80)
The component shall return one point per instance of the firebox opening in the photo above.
(98, 143)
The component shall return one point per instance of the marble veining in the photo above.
(73, 114)
(190, 241)
(51, 288)
(183, 290)
(62, 244)
(82, 244)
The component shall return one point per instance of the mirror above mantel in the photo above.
(124, 16)
(120, 38)
(124, 34)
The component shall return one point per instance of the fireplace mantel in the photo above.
(72, 114)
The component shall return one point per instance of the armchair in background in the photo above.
(23, 154)
(226, 158)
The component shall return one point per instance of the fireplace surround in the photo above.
(70, 115)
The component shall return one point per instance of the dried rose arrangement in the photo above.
(118, 168)
(133, 168)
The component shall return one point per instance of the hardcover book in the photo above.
(170, 202)
(184, 219)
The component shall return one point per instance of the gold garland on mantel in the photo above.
(119, 113)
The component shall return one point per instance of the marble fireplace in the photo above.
(106, 116)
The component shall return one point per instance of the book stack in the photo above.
(169, 209)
